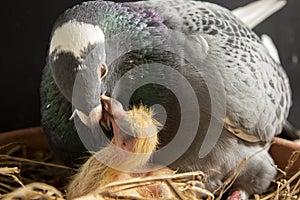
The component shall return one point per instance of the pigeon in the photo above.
(223, 94)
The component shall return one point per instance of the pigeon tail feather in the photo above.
(269, 44)
(256, 12)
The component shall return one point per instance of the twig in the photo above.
(7, 145)
(174, 190)
(6, 186)
(6, 171)
(9, 170)
(114, 196)
(296, 187)
(151, 179)
(34, 162)
(294, 177)
(199, 190)
(293, 158)
(276, 193)
(127, 187)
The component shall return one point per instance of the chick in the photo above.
(135, 139)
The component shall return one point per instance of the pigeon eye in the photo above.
(103, 70)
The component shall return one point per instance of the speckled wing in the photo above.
(257, 89)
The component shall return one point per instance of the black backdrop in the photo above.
(25, 30)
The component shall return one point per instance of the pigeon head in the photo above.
(79, 38)
(78, 55)
(77, 61)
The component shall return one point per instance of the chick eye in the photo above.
(103, 70)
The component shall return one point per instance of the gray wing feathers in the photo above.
(257, 88)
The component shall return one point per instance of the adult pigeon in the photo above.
(242, 95)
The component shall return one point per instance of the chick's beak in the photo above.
(113, 115)
(112, 111)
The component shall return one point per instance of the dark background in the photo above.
(25, 30)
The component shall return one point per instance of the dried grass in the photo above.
(183, 186)
(19, 168)
(34, 178)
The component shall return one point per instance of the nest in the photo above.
(40, 177)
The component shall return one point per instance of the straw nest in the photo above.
(38, 177)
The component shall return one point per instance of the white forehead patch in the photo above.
(75, 36)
